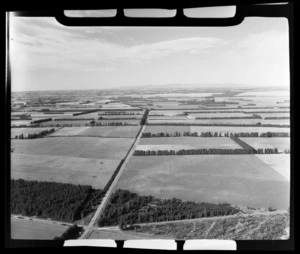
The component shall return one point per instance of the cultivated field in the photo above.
(84, 171)
(220, 115)
(99, 131)
(278, 114)
(177, 143)
(220, 121)
(65, 123)
(236, 179)
(280, 143)
(26, 131)
(20, 122)
(170, 129)
(35, 230)
(83, 147)
(280, 163)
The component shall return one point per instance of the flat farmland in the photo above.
(120, 116)
(233, 129)
(177, 143)
(277, 114)
(66, 123)
(276, 121)
(84, 171)
(35, 230)
(170, 129)
(20, 122)
(237, 179)
(26, 131)
(99, 131)
(280, 143)
(280, 163)
(207, 121)
(83, 147)
(166, 113)
(167, 117)
(220, 114)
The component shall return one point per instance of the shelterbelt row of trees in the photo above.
(35, 135)
(144, 118)
(126, 208)
(205, 151)
(85, 112)
(74, 119)
(113, 124)
(41, 120)
(214, 134)
(119, 113)
(64, 202)
(220, 124)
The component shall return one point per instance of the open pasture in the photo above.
(83, 147)
(277, 114)
(120, 117)
(165, 113)
(76, 123)
(167, 117)
(211, 115)
(280, 163)
(170, 129)
(207, 121)
(99, 131)
(237, 179)
(84, 171)
(177, 143)
(35, 230)
(20, 122)
(26, 131)
(274, 142)
(276, 121)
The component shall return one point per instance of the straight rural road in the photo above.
(105, 199)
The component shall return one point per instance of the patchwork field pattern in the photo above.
(236, 179)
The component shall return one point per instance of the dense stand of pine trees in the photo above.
(35, 135)
(58, 201)
(126, 208)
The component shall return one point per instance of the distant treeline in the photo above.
(128, 118)
(114, 124)
(144, 118)
(58, 201)
(41, 120)
(73, 119)
(126, 208)
(204, 151)
(53, 112)
(214, 134)
(231, 117)
(123, 109)
(119, 113)
(35, 135)
(278, 117)
(220, 124)
(85, 112)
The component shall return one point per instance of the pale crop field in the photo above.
(166, 113)
(84, 171)
(99, 131)
(274, 142)
(207, 121)
(219, 114)
(276, 121)
(139, 116)
(167, 117)
(20, 122)
(237, 179)
(26, 131)
(35, 230)
(177, 143)
(83, 147)
(135, 122)
(277, 114)
(62, 123)
(164, 129)
(280, 163)
(233, 129)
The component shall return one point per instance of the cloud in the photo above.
(42, 43)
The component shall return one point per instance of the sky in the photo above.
(46, 55)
